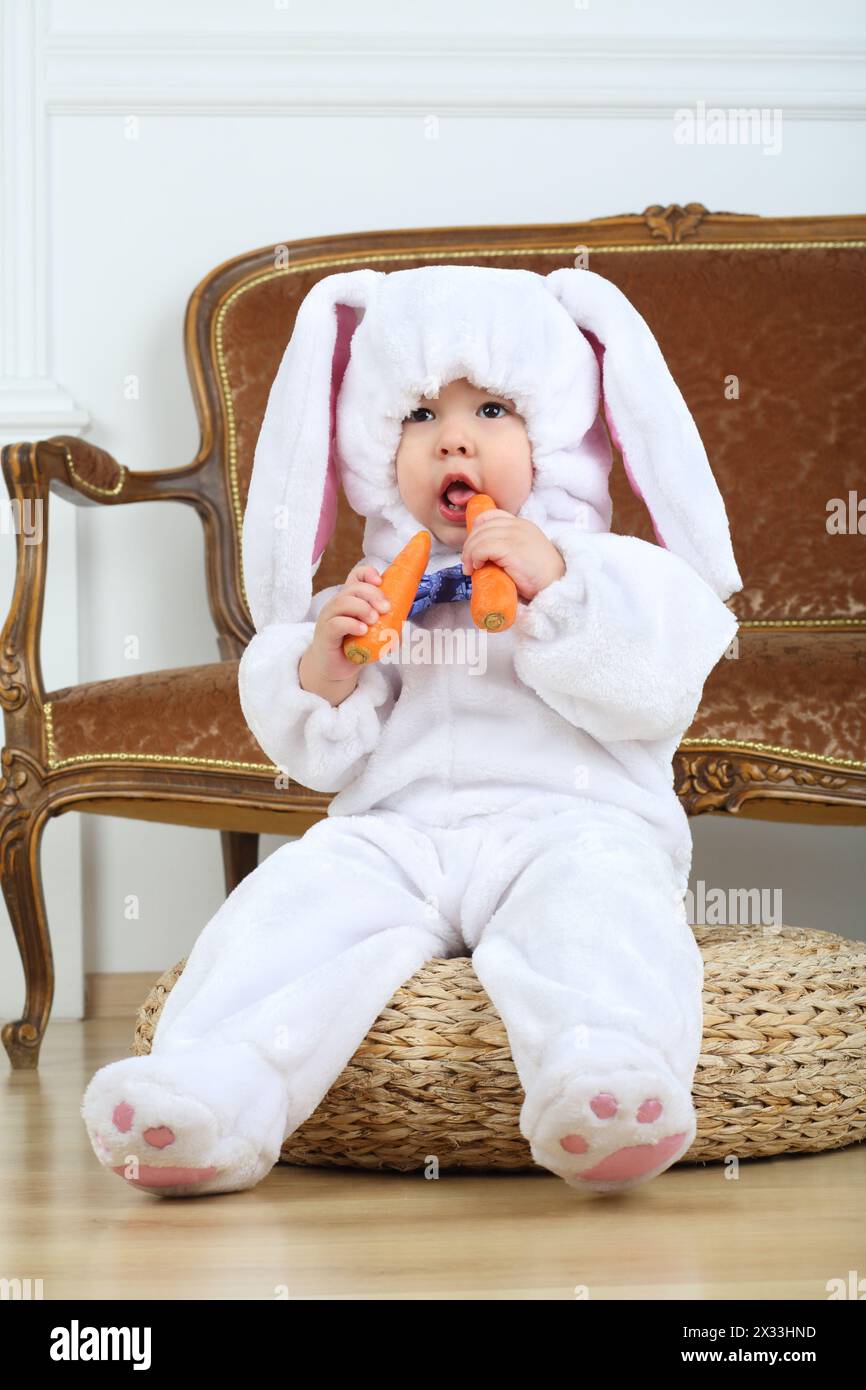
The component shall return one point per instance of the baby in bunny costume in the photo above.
(515, 803)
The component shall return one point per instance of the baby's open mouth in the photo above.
(455, 497)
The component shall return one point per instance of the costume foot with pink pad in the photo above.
(607, 1128)
(206, 1120)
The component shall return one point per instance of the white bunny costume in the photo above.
(505, 794)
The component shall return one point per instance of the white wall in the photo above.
(254, 124)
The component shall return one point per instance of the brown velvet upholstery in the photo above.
(761, 323)
(800, 690)
(797, 689)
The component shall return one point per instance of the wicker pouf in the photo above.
(782, 1067)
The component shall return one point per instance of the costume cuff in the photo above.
(560, 606)
(318, 744)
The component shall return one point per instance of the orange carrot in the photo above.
(399, 584)
(493, 604)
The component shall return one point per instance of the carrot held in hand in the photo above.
(493, 604)
(400, 585)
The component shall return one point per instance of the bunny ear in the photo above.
(291, 507)
(651, 425)
(346, 324)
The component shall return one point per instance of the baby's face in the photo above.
(468, 431)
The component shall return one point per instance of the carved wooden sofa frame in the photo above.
(757, 318)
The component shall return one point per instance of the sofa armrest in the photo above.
(87, 476)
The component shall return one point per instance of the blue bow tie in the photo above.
(449, 585)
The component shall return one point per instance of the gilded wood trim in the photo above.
(703, 246)
(802, 622)
(773, 750)
(160, 760)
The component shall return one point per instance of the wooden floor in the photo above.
(781, 1230)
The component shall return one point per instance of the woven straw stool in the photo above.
(782, 1066)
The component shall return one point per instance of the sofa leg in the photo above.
(240, 856)
(21, 829)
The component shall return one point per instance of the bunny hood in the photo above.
(367, 345)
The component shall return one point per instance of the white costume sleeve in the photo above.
(622, 643)
(319, 745)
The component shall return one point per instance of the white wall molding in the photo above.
(32, 403)
(36, 408)
(487, 75)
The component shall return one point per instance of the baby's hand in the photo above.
(518, 546)
(350, 612)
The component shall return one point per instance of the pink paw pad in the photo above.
(631, 1162)
(574, 1144)
(604, 1105)
(626, 1162)
(122, 1116)
(649, 1111)
(159, 1138)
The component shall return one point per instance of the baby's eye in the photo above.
(497, 405)
(413, 413)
